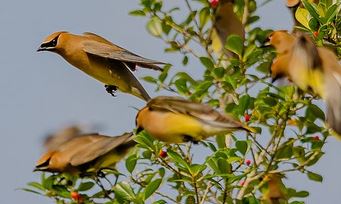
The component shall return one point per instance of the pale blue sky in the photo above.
(40, 92)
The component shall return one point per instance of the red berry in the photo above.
(242, 183)
(163, 154)
(248, 162)
(316, 138)
(316, 33)
(76, 196)
(247, 117)
(214, 3)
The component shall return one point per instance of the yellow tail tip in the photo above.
(250, 129)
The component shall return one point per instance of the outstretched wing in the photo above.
(98, 148)
(120, 54)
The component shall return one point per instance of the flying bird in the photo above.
(102, 60)
(176, 120)
(225, 23)
(311, 68)
(86, 154)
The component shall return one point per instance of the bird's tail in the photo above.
(333, 100)
(140, 92)
(249, 129)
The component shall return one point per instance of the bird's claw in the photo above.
(111, 89)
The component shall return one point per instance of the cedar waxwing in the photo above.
(101, 59)
(175, 120)
(226, 22)
(315, 68)
(273, 189)
(86, 154)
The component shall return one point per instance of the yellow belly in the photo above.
(174, 128)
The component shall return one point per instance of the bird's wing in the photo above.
(332, 78)
(201, 112)
(117, 53)
(98, 148)
(54, 141)
(97, 38)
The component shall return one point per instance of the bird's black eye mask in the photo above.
(52, 43)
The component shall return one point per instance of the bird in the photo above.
(225, 23)
(174, 120)
(273, 189)
(102, 60)
(87, 154)
(311, 68)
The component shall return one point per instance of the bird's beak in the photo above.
(45, 49)
(266, 43)
(40, 49)
(274, 78)
(138, 130)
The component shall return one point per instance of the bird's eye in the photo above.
(54, 42)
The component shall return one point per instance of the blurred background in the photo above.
(41, 93)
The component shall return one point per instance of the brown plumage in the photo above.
(310, 68)
(101, 59)
(86, 154)
(175, 120)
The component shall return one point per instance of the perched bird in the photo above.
(176, 120)
(273, 189)
(226, 23)
(311, 68)
(86, 154)
(101, 59)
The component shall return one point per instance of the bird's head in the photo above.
(52, 42)
(281, 40)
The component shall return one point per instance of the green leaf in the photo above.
(185, 60)
(154, 27)
(151, 188)
(313, 112)
(160, 202)
(31, 191)
(61, 191)
(302, 16)
(242, 146)
(313, 24)
(302, 194)
(177, 158)
(224, 166)
(207, 62)
(195, 169)
(124, 191)
(243, 105)
(235, 44)
(48, 182)
(331, 13)
(131, 163)
(285, 153)
(137, 13)
(204, 16)
(164, 74)
(311, 9)
(150, 79)
(85, 186)
(314, 176)
(36, 185)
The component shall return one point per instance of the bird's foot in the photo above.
(111, 89)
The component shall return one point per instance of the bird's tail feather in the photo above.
(333, 100)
